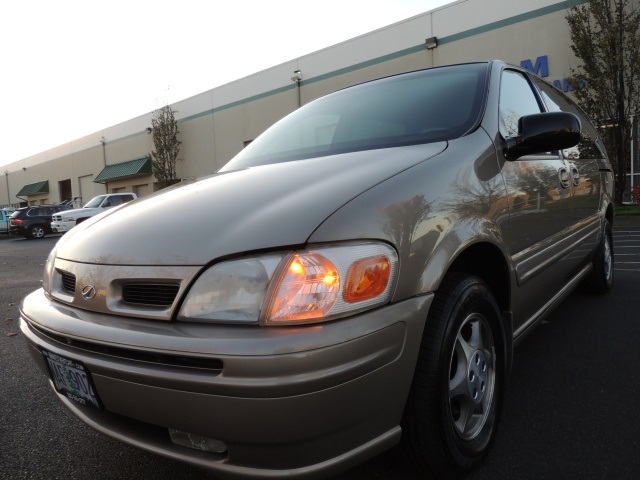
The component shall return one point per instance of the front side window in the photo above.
(516, 100)
(420, 107)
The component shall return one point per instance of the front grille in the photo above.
(57, 218)
(68, 281)
(150, 294)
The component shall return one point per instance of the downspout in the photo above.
(6, 176)
(104, 160)
(297, 78)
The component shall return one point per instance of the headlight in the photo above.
(291, 288)
(230, 291)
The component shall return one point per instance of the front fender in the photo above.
(430, 212)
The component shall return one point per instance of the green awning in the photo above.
(132, 168)
(34, 189)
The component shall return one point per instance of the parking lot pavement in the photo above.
(626, 243)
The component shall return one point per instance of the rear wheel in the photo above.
(37, 231)
(452, 413)
(600, 280)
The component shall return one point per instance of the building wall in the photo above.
(215, 125)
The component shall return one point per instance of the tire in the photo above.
(460, 369)
(37, 231)
(600, 279)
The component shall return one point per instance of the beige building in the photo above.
(217, 124)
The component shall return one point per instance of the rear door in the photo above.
(539, 191)
(42, 216)
(584, 160)
(4, 222)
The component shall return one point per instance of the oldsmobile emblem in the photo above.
(88, 292)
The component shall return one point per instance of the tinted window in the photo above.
(44, 211)
(516, 100)
(420, 107)
(119, 199)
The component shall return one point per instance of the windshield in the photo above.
(95, 202)
(419, 107)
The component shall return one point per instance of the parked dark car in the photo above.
(358, 278)
(34, 222)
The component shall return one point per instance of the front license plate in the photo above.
(72, 379)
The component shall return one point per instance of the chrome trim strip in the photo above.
(554, 249)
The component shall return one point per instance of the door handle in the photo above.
(564, 177)
(575, 174)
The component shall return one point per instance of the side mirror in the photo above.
(543, 132)
(106, 204)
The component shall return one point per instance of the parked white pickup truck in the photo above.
(64, 221)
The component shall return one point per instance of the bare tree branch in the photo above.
(606, 38)
(167, 146)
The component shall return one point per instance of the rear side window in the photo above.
(116, 200)
(419, 107)
(556, 101)
(120, 199)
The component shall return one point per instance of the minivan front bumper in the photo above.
(300, 402)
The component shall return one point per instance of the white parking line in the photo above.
(627, 240)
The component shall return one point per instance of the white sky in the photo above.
(74, 67)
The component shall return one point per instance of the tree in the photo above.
(606, 38)
(167, 146)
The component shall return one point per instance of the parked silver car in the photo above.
(355, 278)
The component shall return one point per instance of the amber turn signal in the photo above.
(367, 278)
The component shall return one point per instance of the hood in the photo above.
(264, 207)
(76, 211)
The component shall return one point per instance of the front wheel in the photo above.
(451, 417)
